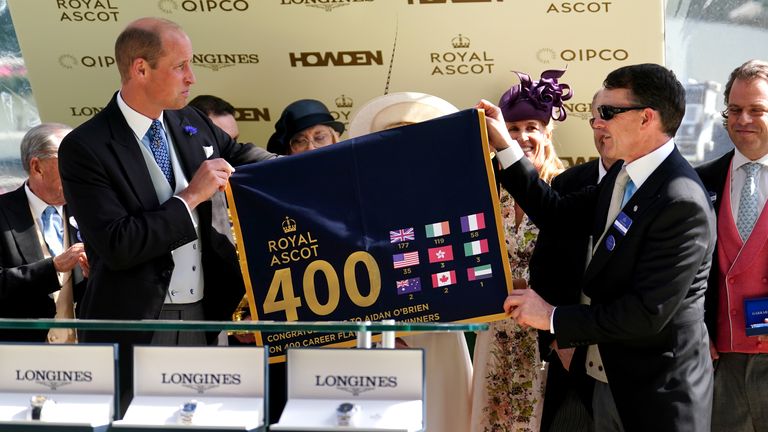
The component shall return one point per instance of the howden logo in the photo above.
(337, 58)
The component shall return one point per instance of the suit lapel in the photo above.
(128, 154)
(634, 211)
(23, 227)
(188, 149)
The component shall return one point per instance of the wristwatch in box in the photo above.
(187, 412)
(36, 406)
(345, 414)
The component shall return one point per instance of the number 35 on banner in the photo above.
(282, 286)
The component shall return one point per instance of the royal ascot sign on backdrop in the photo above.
(261, 55)
(402, 224)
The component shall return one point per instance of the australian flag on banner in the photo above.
(374, 228)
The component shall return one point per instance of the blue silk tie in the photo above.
(53, 230)
(159, 147)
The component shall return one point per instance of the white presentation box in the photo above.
(77, 383)
(227, 383)
(386, 388)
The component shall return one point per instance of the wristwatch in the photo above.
(345, 414)
(36, 406)
(187, 412)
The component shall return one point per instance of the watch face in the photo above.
(346, 407)
(38, 401)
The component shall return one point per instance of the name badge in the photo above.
(756, 315)
(622, 223)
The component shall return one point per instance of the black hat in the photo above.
(296, 117)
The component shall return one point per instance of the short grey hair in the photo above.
(41, 142)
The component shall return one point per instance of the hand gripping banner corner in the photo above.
(401, 224)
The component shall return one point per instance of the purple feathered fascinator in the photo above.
(536, 100)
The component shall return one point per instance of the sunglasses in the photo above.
(608, 112)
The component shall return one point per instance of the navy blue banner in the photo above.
(402, 224)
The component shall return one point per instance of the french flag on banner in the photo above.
(472, 222)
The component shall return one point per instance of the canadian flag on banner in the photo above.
(443, 279)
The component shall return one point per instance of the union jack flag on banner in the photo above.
(401, 235)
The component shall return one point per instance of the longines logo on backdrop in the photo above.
(336, 58)
(84, 111)
(582, 110)
(579, 7)
(252, 114)
(344, 106)
(87, 10)
(53, 379)
(355, 384)
(220, 61)
(547, 55)
(200, 382)
(327, 5)
(172, 6)
(68, 61)
(461, 60)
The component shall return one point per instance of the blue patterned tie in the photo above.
(747, 215)
(159, 147)
(53, 230)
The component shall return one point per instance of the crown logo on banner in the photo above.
(289, 225)
(344, 102)
(460, 41)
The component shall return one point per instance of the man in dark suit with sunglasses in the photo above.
(640, 330)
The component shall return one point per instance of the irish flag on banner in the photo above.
(438, 229)
(472, 222)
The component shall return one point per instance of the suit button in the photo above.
(600, 368)
(765, 280)
(733, 312)
(731, 280)
(591, 364)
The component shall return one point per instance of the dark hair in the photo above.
(212, 105)
(654, 86)
(141, 39)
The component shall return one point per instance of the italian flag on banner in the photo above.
(476, 247)
(438, 229)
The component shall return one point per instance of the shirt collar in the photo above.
(601, 171)
(36, 205)
(139, 123)
(640, 169)
(739, 160)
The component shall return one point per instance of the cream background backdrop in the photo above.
(68, 49)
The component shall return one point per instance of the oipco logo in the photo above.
(336, 58)
(87, 10)
(461, 60)
(579, 7)
(582, 110)
(68, 61)
(218, 61)
(343, 109)
(433, 2)
(547, 55)
(252, 114)
(172, 6)
(326, 5)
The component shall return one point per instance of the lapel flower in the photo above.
(190, 130)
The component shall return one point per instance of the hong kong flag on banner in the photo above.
(440, 254)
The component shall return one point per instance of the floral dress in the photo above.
(508, 383)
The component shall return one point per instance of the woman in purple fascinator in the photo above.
(508, 379)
